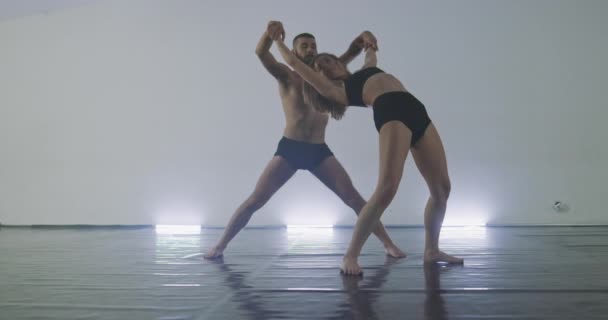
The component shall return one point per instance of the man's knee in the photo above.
(353, 199)
(257, 200)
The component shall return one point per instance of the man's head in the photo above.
(305, 47)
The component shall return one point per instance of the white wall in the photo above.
(11, 9)
(138, 112)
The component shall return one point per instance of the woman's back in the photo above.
(379, 84)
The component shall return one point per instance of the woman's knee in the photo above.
(385, 192)
(440, 191)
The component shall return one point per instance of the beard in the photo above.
(308, 59)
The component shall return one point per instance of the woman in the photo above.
(402, 122)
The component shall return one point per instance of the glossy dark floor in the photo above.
(509, 273)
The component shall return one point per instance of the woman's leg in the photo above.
(430, 159)
(395, 140)
(334, 176)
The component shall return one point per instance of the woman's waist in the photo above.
(379, 86)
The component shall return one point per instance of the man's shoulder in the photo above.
(293, 80)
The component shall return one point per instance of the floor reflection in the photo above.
(362, 293)
(249, 301)
(434, 303)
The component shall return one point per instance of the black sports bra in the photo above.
(354, 85)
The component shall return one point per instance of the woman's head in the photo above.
(330, 66)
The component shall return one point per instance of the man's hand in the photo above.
(275, 30)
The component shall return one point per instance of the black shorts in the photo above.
(404, 107)
(303, 155)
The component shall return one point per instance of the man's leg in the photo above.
(335, 177)
(276, 173)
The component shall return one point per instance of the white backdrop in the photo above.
(159, 112)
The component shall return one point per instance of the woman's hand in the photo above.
(368, 41)
(289, 57)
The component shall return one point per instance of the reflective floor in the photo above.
(509, 273)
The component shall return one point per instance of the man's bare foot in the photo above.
(350, 267)
(214, 253)
(394, 252)
(432, 256)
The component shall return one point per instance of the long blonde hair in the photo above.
(319, 102)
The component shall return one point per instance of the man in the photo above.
(303, 143)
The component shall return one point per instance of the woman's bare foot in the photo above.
(214, 253)
(394, 252)
(432, 256)
(350, 267)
